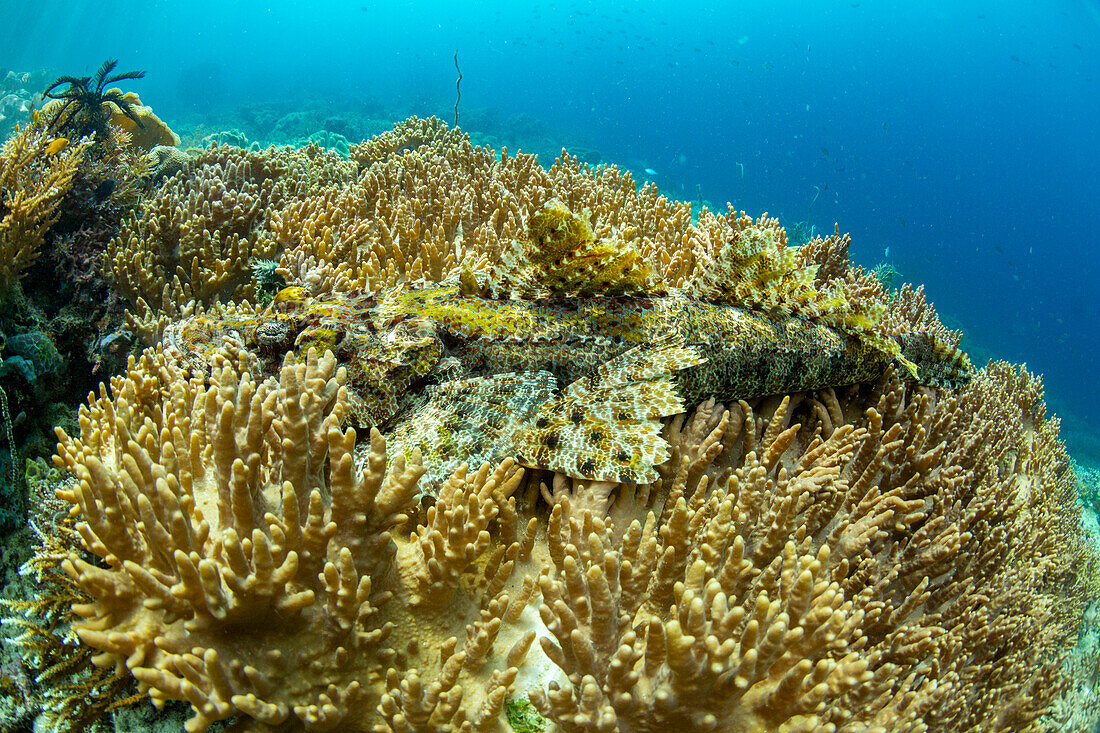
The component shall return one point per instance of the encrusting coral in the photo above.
(871, 556)
(147, 130)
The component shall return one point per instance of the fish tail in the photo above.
(939, 363)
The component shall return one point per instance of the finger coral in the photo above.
(191, 244)
(879, 557)
(887, 551)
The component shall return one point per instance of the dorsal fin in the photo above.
(561, 256)
(936, 362)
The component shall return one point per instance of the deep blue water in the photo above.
(960, 135)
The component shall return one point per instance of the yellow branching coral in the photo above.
(36, 171)
(873, 558)
(810, 583)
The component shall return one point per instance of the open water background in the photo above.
(957, 140)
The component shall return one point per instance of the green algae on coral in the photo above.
(522, 716)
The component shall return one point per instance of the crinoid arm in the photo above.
(118, 99)
(124, 75)
(78, 82)
(101, 74)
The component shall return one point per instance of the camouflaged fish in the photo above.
(565, 358)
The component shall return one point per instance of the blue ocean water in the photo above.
(957, 141)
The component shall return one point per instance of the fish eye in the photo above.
(273, 336)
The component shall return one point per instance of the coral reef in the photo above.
(878, 556)
(191, 242)
(865, 553)
(410, 134)
(63, 199)
(20, 94)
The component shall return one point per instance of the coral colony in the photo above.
(431, 437)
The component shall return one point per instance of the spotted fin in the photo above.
(607, 427)
(937, 362)
(470, 420)
(561, 257)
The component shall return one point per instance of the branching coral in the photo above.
(67, 691)
(189, 246)
(431, 205)
(272, 533)
(36, 171)
(407, 135)
(875, 572)
(193, 237)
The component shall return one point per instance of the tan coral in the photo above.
(192, 243)
(194, 240)
(878, 557)
(151, 132)
(428, 204)
(239, 508)
(831, 590)
(409, 134)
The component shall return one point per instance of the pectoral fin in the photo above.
(471, 420)
(607, 427)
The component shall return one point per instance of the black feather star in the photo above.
(82, 111)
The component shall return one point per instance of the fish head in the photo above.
(385, 362)
(385, 354)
